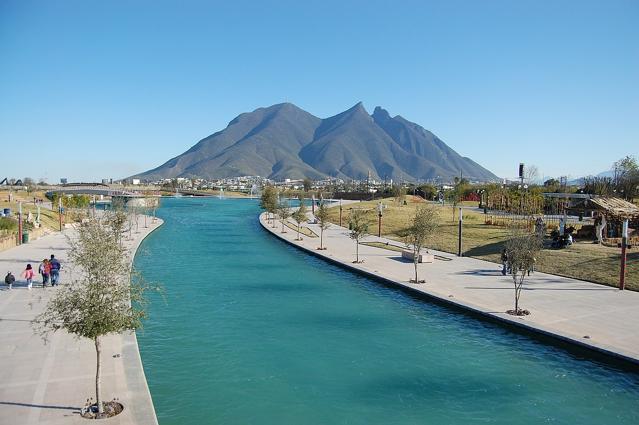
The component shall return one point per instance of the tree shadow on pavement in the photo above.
(74, 409)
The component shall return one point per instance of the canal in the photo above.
(252, 331)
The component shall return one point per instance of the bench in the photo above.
(423, 258)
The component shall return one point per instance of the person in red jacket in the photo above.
(45, 271)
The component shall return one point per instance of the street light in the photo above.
(380, 209)
(624, 245)
(19, 222)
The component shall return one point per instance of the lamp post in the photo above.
(624, 245)
(459, 242)
(19, 223)
(380, 209)
(60, 211)
(340, 213)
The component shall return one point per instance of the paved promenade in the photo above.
(48, 384)
(591, 315)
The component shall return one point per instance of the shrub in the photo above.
(8, 224)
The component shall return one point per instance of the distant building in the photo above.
(135, 181)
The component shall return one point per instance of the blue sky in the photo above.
(96, 89)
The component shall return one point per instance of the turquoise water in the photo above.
(253, 331)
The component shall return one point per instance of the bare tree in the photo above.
(423, 225)
(300, 217)
(102, 300)
(322, 217)
(358, 225)
(531, 174)
(522, 248)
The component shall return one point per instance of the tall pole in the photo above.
(459, 242)
(60, 211)
(380, 208)
(340, 213)
(624, 244)
(19, 223)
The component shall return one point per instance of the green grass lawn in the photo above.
(49, 219)
(583, 260)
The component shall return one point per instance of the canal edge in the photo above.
(595, 351)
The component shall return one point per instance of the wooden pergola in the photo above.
(614, 210)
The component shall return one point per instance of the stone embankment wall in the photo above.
(8, 241)
(151, 202)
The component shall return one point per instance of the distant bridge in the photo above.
(94, 189)
(194, 193)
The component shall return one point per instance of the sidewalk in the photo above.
(49, 383)
(584, 313)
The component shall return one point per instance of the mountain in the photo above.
(284, 141)
(579, 181)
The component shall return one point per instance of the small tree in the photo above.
(300, 217)
(322, 217)
(456, 195)
(399, 194)
(102, 300)
(522, 249)
(284, 212)
(626, 177)
(358, 225)
(424, 223)
(308, 184)
(268, 201)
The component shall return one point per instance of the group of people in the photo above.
(49, 270)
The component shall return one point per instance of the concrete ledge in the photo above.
(48, 383)
(596, 350)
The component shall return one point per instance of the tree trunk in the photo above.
(321, 239)
(518, 286)
(298, 232)
(415, 261)
(98, 375)
(356, 251)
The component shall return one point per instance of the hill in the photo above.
(284, 141)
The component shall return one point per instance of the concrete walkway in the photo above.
(48, 384)
(584, 313)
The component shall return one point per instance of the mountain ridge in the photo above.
(285, 141)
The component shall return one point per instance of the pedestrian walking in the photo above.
(9, 279)
(45, 270)
(504, 261)
(28, 275)
(55, 270)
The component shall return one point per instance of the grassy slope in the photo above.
(49, 219)
(584, 260)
